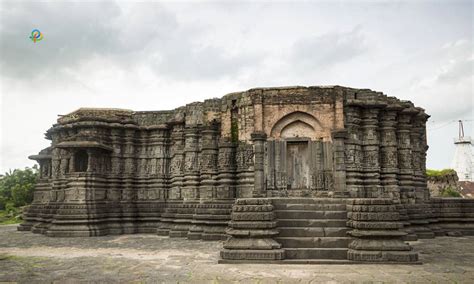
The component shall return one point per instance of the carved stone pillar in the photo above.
(208, 163)
(244, 157)
(176, 165)
(419, 211)
(405, 178)
(90, 160)
(370, 148)
(389, 154)
(115, 155)
(226, 166)
(176, 173)
(191, 164)
(259, 139)
(160, 163)
(418, 139)
(353, 151)
(71, 163)
(340, 189)
(423, 149)
(129, 153)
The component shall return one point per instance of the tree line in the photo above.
(16, 188)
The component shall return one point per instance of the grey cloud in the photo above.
(146, 35)
(460, 62)
(72, 32)
(328, 49)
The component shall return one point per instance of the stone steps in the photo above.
(313, 232)
(311, 207)
(311, 223)
(279, 201)
(316, 253)
(313, 242)
(312, 229)
(308, 214)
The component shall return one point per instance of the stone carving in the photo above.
(291, 154)
(244, 156)
(176, 165)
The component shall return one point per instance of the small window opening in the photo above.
(80, 161)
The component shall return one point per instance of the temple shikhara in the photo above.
(292, 174)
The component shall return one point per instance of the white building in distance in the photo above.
(462, 161)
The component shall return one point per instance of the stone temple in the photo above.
(291, 174)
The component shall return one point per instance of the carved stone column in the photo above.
(389, 154)
(208, 174)
(244, 157)
(370, 148)
(405, 178)
(419, 211)
(208, 163)
(418, 137)
(176, 156)
(226, 166)
(338, 138)
(176, 165)
(191, 164)
(259, 139)
(353, 151)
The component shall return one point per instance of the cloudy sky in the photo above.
(161, 55)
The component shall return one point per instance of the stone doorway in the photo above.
(298, 165)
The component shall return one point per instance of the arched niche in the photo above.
(296, 124)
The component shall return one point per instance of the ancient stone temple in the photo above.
(292, 174)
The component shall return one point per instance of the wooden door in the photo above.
(298, 165)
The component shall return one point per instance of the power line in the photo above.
(446, 124)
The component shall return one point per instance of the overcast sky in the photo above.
(154, 56)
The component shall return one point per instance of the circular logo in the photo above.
(36, 35)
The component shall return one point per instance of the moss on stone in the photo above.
(234, 131)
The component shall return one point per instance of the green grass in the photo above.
(438, 173)
(6, 219)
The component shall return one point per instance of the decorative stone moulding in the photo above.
(376, 232)
(453, 216)
(251, 232)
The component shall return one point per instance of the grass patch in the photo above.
(438, 173)
(7, 218)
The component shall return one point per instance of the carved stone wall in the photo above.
(178, 172)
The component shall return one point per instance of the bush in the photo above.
(450, 192)
(3, 203)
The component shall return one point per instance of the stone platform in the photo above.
(31, 258)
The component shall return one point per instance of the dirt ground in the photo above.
(32, 258)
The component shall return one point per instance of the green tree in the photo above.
(16, 187)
